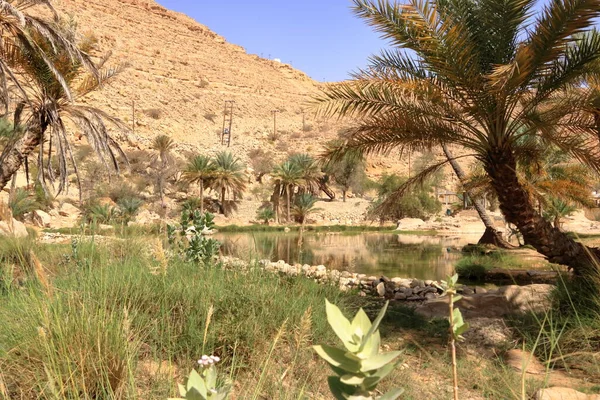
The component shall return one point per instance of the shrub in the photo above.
(128, 208)
(193, 227)
(210, 116)
(154, 113)
(265, 214)
(98, 213)
(21, 203)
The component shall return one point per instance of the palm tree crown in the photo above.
(480, 75)
(229, 176)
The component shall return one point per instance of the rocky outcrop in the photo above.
(561, 393)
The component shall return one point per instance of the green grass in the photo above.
(107, 311)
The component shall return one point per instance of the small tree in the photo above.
(347, 170)
(200, 170)
(261, 162)
(265, 214)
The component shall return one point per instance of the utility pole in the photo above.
(227, 117)
(133, 116)
(275, 123)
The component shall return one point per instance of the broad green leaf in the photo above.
(375, 325)
(462, 329)
(338, 389)
(361, 324)
(371, 346)
(195, 381)
(353, 380)
(457, 298)
(182, 390)
(194, 394)
(392, 394)
(340, 325)
(454, 279)
(378, 361)
(210, 379)
(371, 381)
(339, 358)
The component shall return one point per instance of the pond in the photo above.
(390, 254)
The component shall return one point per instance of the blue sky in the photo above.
(320, 37)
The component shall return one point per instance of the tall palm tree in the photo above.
(38, 61)
(200, 170)
(311, 171)
(287, 176)
(163, 145)
(229, 176)
(304, 206)
(48, 106)
(481, 74)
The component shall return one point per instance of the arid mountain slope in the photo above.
(181, 73)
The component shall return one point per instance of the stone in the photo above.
(429, 282)
(106, 228)
(521, 360)
(400, 296)
(417, 283)
(407, 291)
(68, 210)
(41, 218)
(17, 229)
(508, 299)
(381, 289)
(560, 393)
(286, 229)
(402, 282)
(384, 279)
(467, 291)
(414, 298)
(409, 224)
(430, 296)
(480, 290)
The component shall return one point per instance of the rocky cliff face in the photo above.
(180, 74)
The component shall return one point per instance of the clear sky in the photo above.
(320, 37)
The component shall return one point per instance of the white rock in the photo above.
(41, 218)
(68, 210)
(17, 230)
(381, 289)
(559, 393)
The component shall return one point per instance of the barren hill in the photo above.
(181, 73)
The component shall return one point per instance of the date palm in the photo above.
(31, 44)
(163, 159)
(311, 171)
(50, 102)
(481, 75)
(287, 176)
(229, 176)
(200, 170)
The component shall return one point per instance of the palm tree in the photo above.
(287, 176)
(163, 145)
(558, 210)
(200, 170)
(52, 85)
(311, 171)
(38, 62)
(304, 206)
(229, 176)
(481, 75)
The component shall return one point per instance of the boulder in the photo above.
(560, 393)
(381, 289)
(407, 224)
(506, 300)
(15, 228)
(68, 210)
(41, 218)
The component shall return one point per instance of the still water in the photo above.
(393, 255)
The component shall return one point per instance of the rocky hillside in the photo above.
(181, 73)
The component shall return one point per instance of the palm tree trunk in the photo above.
(13, 156)
(491, 235)
(518, 209)
(275, 197)
(201, 196)
(223, 201)
(287, 194)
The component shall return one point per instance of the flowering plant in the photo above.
(203, 385)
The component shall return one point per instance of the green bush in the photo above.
(21, 203)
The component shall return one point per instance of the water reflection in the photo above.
(424, 257)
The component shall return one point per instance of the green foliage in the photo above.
(21, 203)
(265, 214)
(360, 366)
(203, 386)
(128, 208)
(261, 162)
(42, 198)
(304, 206)
(189, 240)
(94, 213)
(347, 170)
(558, 209)
(416, 203)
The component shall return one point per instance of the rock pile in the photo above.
(394, 288)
